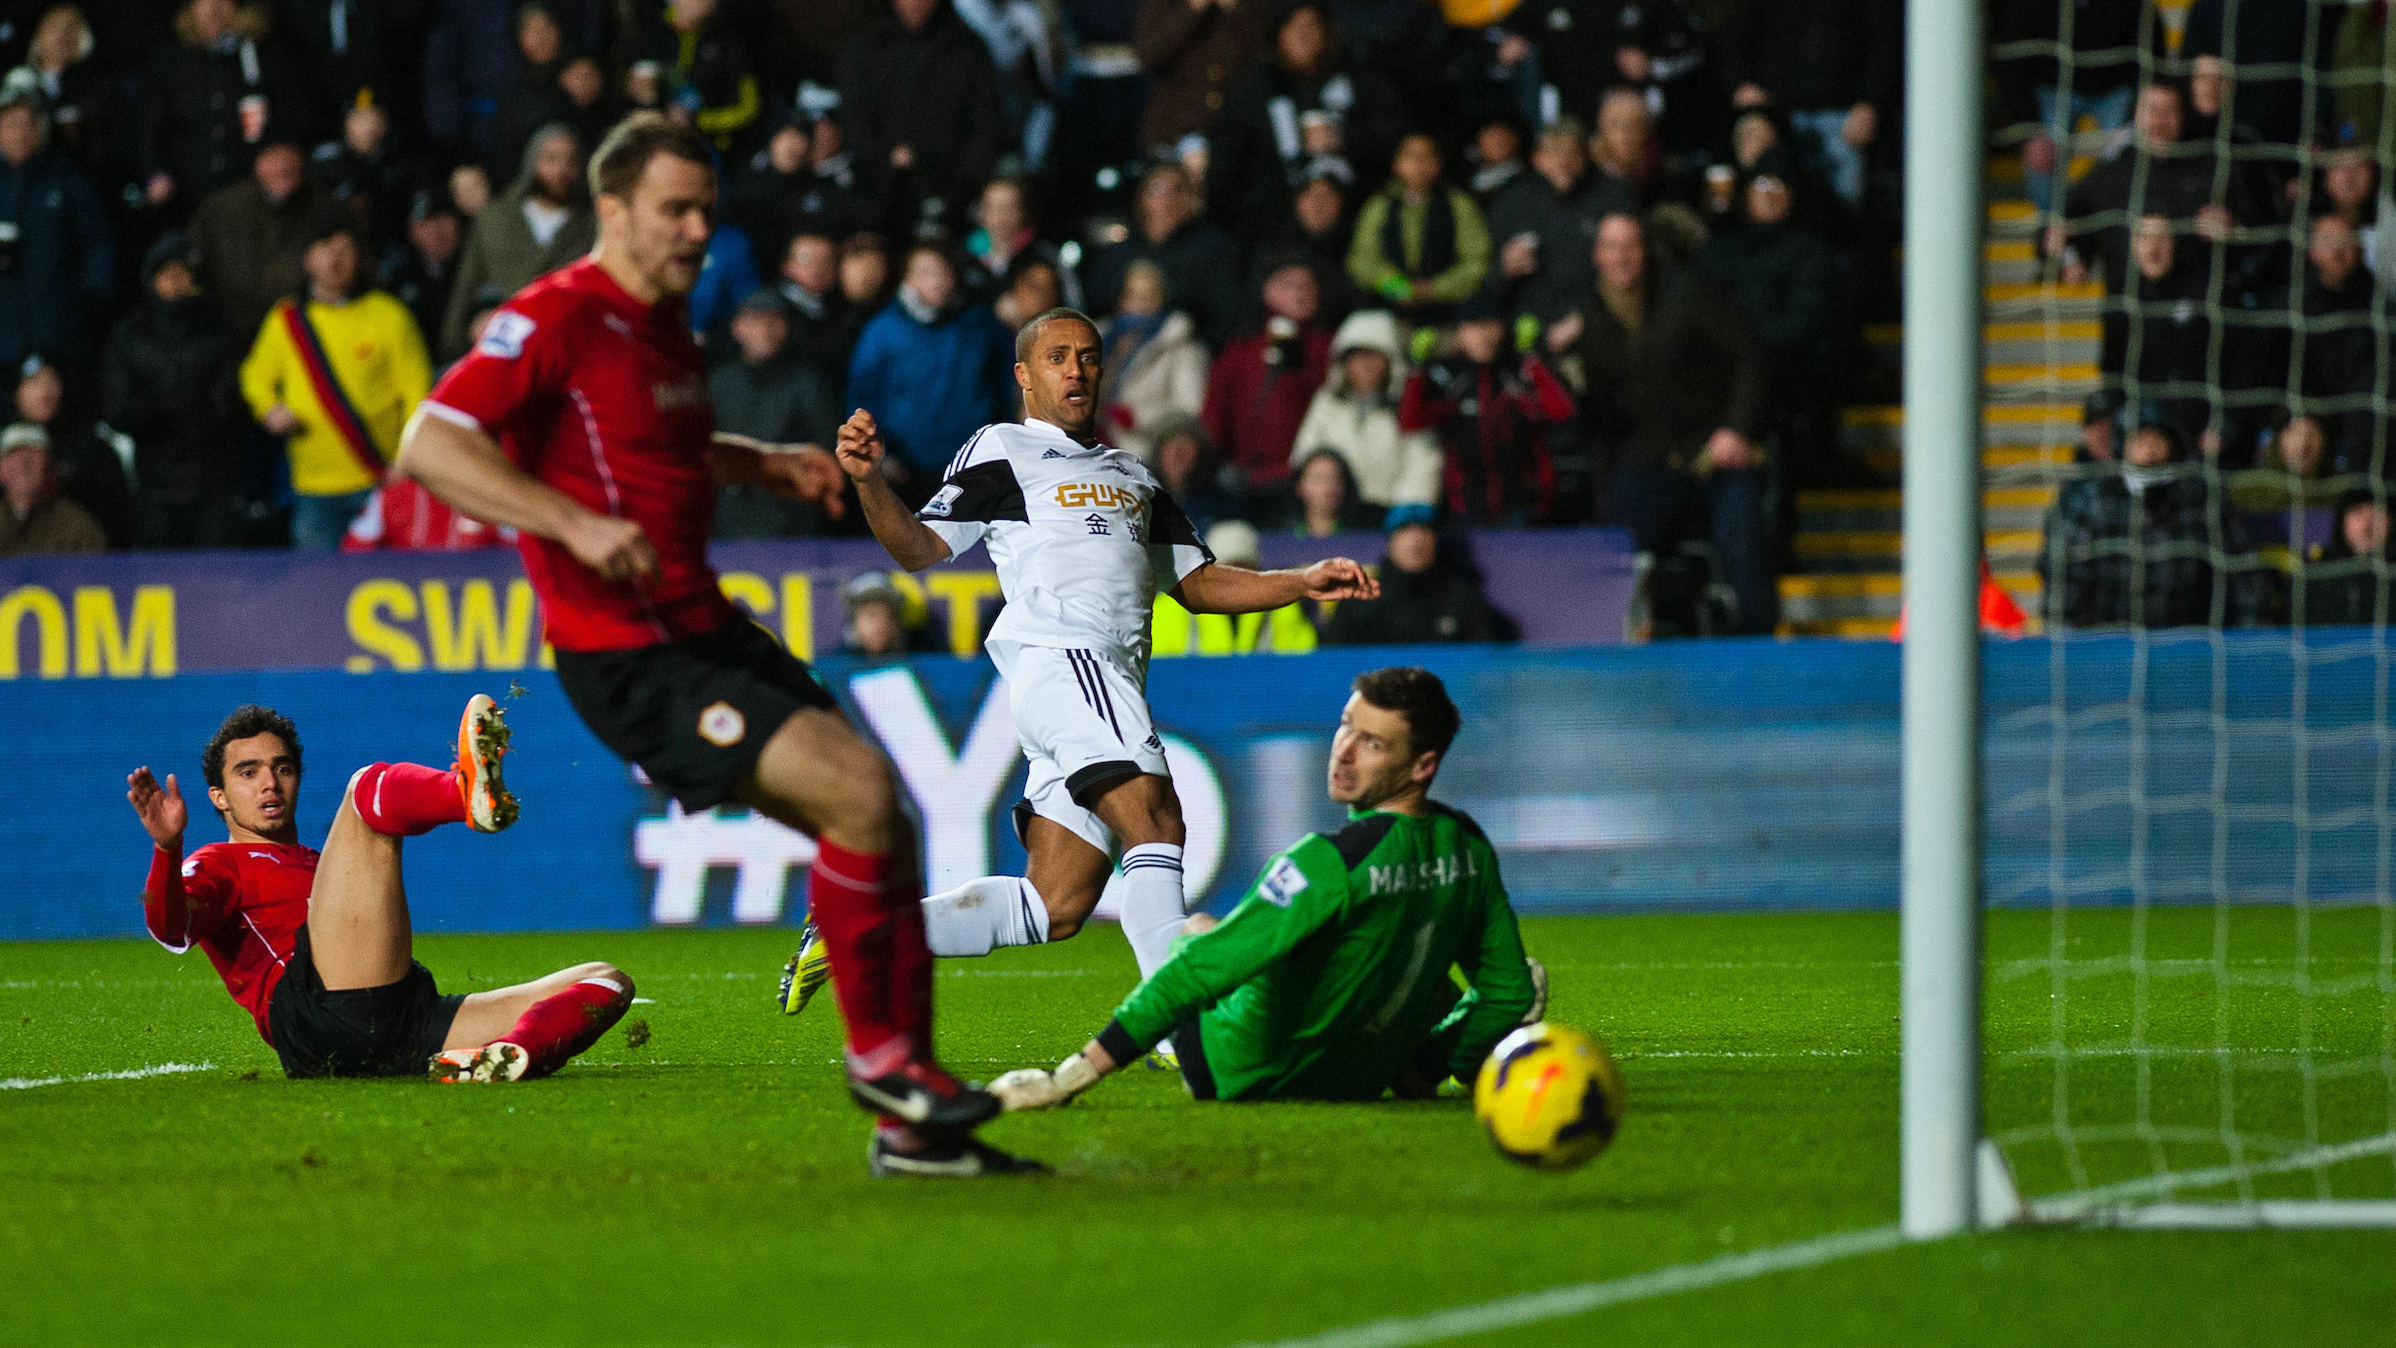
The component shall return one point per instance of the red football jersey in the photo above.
(243, 903)
(603, 398)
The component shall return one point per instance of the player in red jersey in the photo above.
(581, 419)
(316, 947)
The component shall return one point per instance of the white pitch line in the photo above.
(1557, 1303)
(2271, 1214)
(1737, 1054)
(164, 1069)
(2072, 1207)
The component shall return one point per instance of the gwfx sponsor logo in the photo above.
(1084, 495)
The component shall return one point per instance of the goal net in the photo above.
(2190, 949)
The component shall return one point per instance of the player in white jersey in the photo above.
(1083, 536)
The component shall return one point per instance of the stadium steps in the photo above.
(2039, 357)
(1867, 604)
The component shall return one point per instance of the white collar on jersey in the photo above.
(1059, 432)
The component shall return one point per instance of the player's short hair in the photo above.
(624, 153)
(1416, 694)
(247, 719)
(1030, 332)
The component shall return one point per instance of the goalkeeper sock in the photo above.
(401, 800)
(1152, 902)
(981, 915)
(561, 1025)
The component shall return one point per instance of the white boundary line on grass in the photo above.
(2090, 1203)
(164, 1069)
(2270, 1214)
(1557, 1303)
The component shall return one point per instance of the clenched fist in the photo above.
(860, 447)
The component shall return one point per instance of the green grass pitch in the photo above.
(707, 1186)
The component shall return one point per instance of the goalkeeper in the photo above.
(1331, 979)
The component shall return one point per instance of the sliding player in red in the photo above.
(316, 946)
(581, 420)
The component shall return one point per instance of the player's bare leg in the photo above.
(1065, 876)
(817, 775)
(532, 1029)
(358, 912)
(359, 932)
(489, 1015)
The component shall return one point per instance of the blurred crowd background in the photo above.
(1417, 267)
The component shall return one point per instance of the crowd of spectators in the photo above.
(2234, 466)
(1486, 264)
(1360, 264)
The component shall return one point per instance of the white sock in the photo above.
(980, 915)
(1152, 902)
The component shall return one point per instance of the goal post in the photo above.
(1939, 957)
(2148, 871)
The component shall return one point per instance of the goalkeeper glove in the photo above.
(1031, 1088)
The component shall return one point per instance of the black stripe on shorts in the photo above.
(1094, 683)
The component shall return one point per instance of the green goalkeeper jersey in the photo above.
(1334, 972)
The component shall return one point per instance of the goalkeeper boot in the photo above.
(807, 972)
(502, 1061)
(953, 1158)
(922, 1096)
(482, 742)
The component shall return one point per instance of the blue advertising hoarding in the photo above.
(1731, 775)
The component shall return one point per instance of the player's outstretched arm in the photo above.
(172, 908)
(466, 468)
(1221, 588)
(800, 472)
(903, 536)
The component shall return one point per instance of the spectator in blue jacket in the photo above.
(55, 260)
(727, 276)
(932, 372)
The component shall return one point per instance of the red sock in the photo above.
(874, 936)
(910, 989)
(405, 799)
(561, 1025)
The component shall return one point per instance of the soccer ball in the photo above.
(1549, 1096)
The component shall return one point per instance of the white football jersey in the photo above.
(1083, 537)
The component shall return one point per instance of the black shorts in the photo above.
(390, 1031)
(694, 714)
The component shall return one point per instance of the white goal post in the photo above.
(2285, 1125)
(1939, 956)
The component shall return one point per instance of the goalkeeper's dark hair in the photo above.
(1416, 694)
(1030, 332)
(247, 719)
